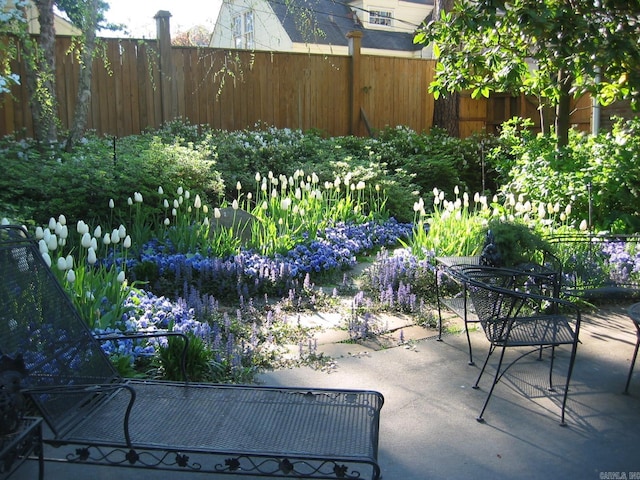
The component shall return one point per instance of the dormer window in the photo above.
(381, 17)
(243, 34)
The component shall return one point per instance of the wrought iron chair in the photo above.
(515, 310)
(97, 417)
(634, 313)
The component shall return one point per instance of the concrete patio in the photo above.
(428, 427)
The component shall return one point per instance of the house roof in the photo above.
(328, 22)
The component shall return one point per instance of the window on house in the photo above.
(380, 17)
(243, 33)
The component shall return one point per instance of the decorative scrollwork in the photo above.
(298, 468)
(145, 458)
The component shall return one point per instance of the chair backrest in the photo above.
(499, 295)
(39, 322)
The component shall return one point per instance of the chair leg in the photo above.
(633, 362)
(484, 365)
(553, 356)
(493, 385)
(572, 360)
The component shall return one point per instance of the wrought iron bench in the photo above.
(515, 311)
(97, 417)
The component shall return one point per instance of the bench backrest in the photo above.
(39, 322)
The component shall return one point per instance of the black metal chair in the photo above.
(97, 417)
(515, 311)
(634, 313)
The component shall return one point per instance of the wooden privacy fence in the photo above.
(142, 84)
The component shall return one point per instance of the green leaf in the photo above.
(436, 51)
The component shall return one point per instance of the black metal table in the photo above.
(16, 447)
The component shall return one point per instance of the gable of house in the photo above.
(322, 25)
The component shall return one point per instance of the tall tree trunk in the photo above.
(563, 109)
(41, 76)
(83, 97)
(446, 108)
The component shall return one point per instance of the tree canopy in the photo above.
(548, 48)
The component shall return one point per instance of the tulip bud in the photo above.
(127, 242)
(187, 194)
(111, 203)
(86, 240)
(197, 203)
(122, 231)
(52, 243)
(234, 205)
(97, 232)
(91, 256)
(166, 203)
(71, 276)
(216, 213)
(120, 278)
(62, 264)
(176, 204)
(129, 201)
(167, 222)
(174, 212)
(160, 190)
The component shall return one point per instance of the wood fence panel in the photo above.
(232, 89)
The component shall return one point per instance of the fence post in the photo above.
(163, 34)
(355, 41)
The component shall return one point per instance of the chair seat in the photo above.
(532, 331)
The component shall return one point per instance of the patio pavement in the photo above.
(428, 428)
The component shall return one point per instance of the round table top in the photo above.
(634, 313)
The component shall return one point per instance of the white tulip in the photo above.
(176, 204)
(97, 233)
(69, 261)
(167, 222)
(39, 233)
(127, 242)
(94, 244)
(42, 246)
(197, 203)
(174, 212)
(137, 196)
(166, 203)
(111, 203)
(52, 243)
(122, 231)
(107, 239)
(115, 236)
(52, 224)
(91, 256)
(71, 276)
(129, 201)
(86, 240)
(216, 212)
(234, 205)
(160, 190)
(62, 219)
(187, 194)
(120, 278)
(180, 190)
(61, 264)
(5, 221)
(82, 227)
(47, 258)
